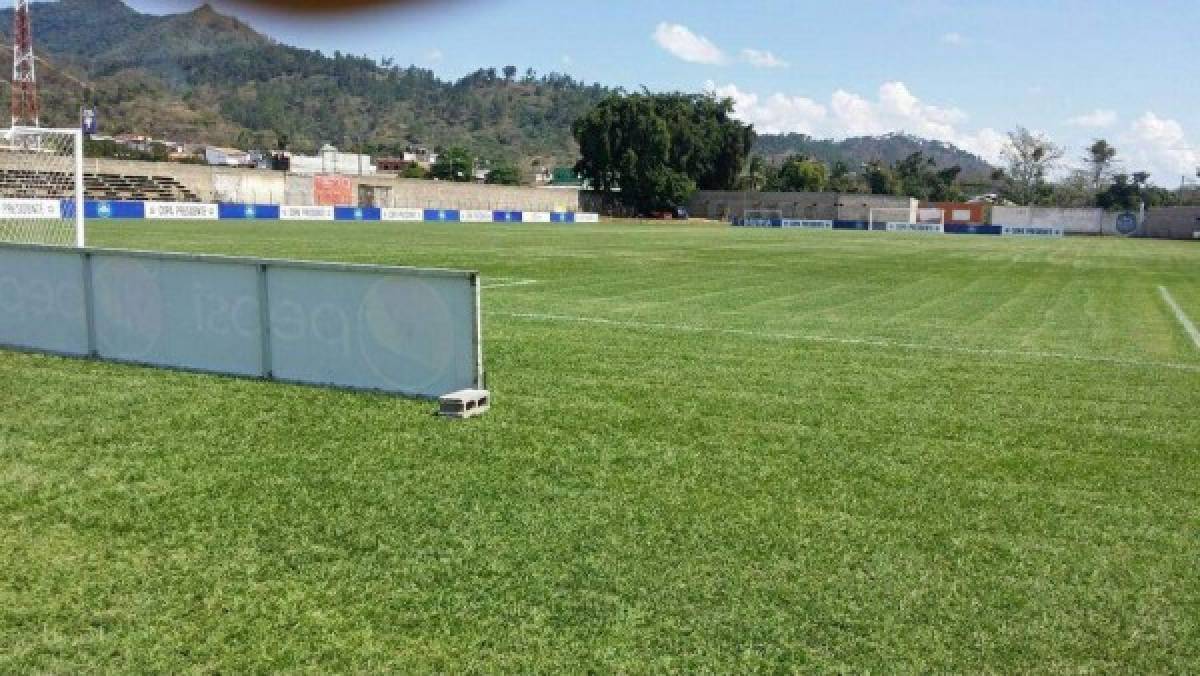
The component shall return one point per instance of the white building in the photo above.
(421, 156)
(330, 161)
(226, 157)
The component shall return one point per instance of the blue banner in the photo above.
(506, 216)
(357, 214)
(106, 209)
(263, 212)
(954, 229)
(450, 215)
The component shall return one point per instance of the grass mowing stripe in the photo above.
(1186, 323)
(505, 284)
(870, 342)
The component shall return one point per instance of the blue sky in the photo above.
(964, 72)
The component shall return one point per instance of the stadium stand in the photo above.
(31, 183)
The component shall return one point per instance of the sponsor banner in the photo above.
(450, 215)
(400, 330)
(762, 223)
(1127, 224)
(475, 216)
(535, 216)
(356, 214)
(926, 228)
(42, 304)
(265, 212)
(247, 212)
(809, 224)
(959, 229)
(402, 214)
(1033, 231)
(587, 218)
(331, 191)
(181, 211)
(306, 213)
(506, 217)
(30, 208)
(106, 209)
(562, 217)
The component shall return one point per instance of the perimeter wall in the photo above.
(261, 186)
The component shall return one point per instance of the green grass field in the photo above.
(713, 449)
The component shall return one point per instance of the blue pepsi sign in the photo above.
(1127, 223)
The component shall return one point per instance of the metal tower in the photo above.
(24, 79)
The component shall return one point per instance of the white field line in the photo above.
(1186, 323)
(869, 342)
(505, 282)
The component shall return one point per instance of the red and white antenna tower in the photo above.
(24, 80)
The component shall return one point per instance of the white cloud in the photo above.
(894, 109)
(763, 59)
(434, 55)
(776, 114)
(1160, 146)
(567, 60)
(684, 44)
(954, 40)
(1097, 119)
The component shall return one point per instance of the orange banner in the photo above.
(333, 191)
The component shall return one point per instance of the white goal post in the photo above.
(762, 218)
(907, 219)
(41, 186)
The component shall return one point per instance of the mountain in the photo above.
(204, 77)
(208, 78)
(858, 150)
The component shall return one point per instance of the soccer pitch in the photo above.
(712, 449)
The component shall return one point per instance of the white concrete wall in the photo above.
(1073, 221)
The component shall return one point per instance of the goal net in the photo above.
(41, 186)
(762, 218)
(907, 219)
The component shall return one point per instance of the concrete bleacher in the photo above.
(32, 183)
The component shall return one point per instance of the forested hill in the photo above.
(207, 78)
(856, 151)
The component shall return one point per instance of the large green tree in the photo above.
(504, 174)
(652, 151)
(456, 164)
(1125, 192)
(918, 176)
(801, 174)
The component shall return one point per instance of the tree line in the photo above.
(1097, 180)
(651, 152)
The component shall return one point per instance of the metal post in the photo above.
(89, 305)
(264, 321)
(80, 221)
